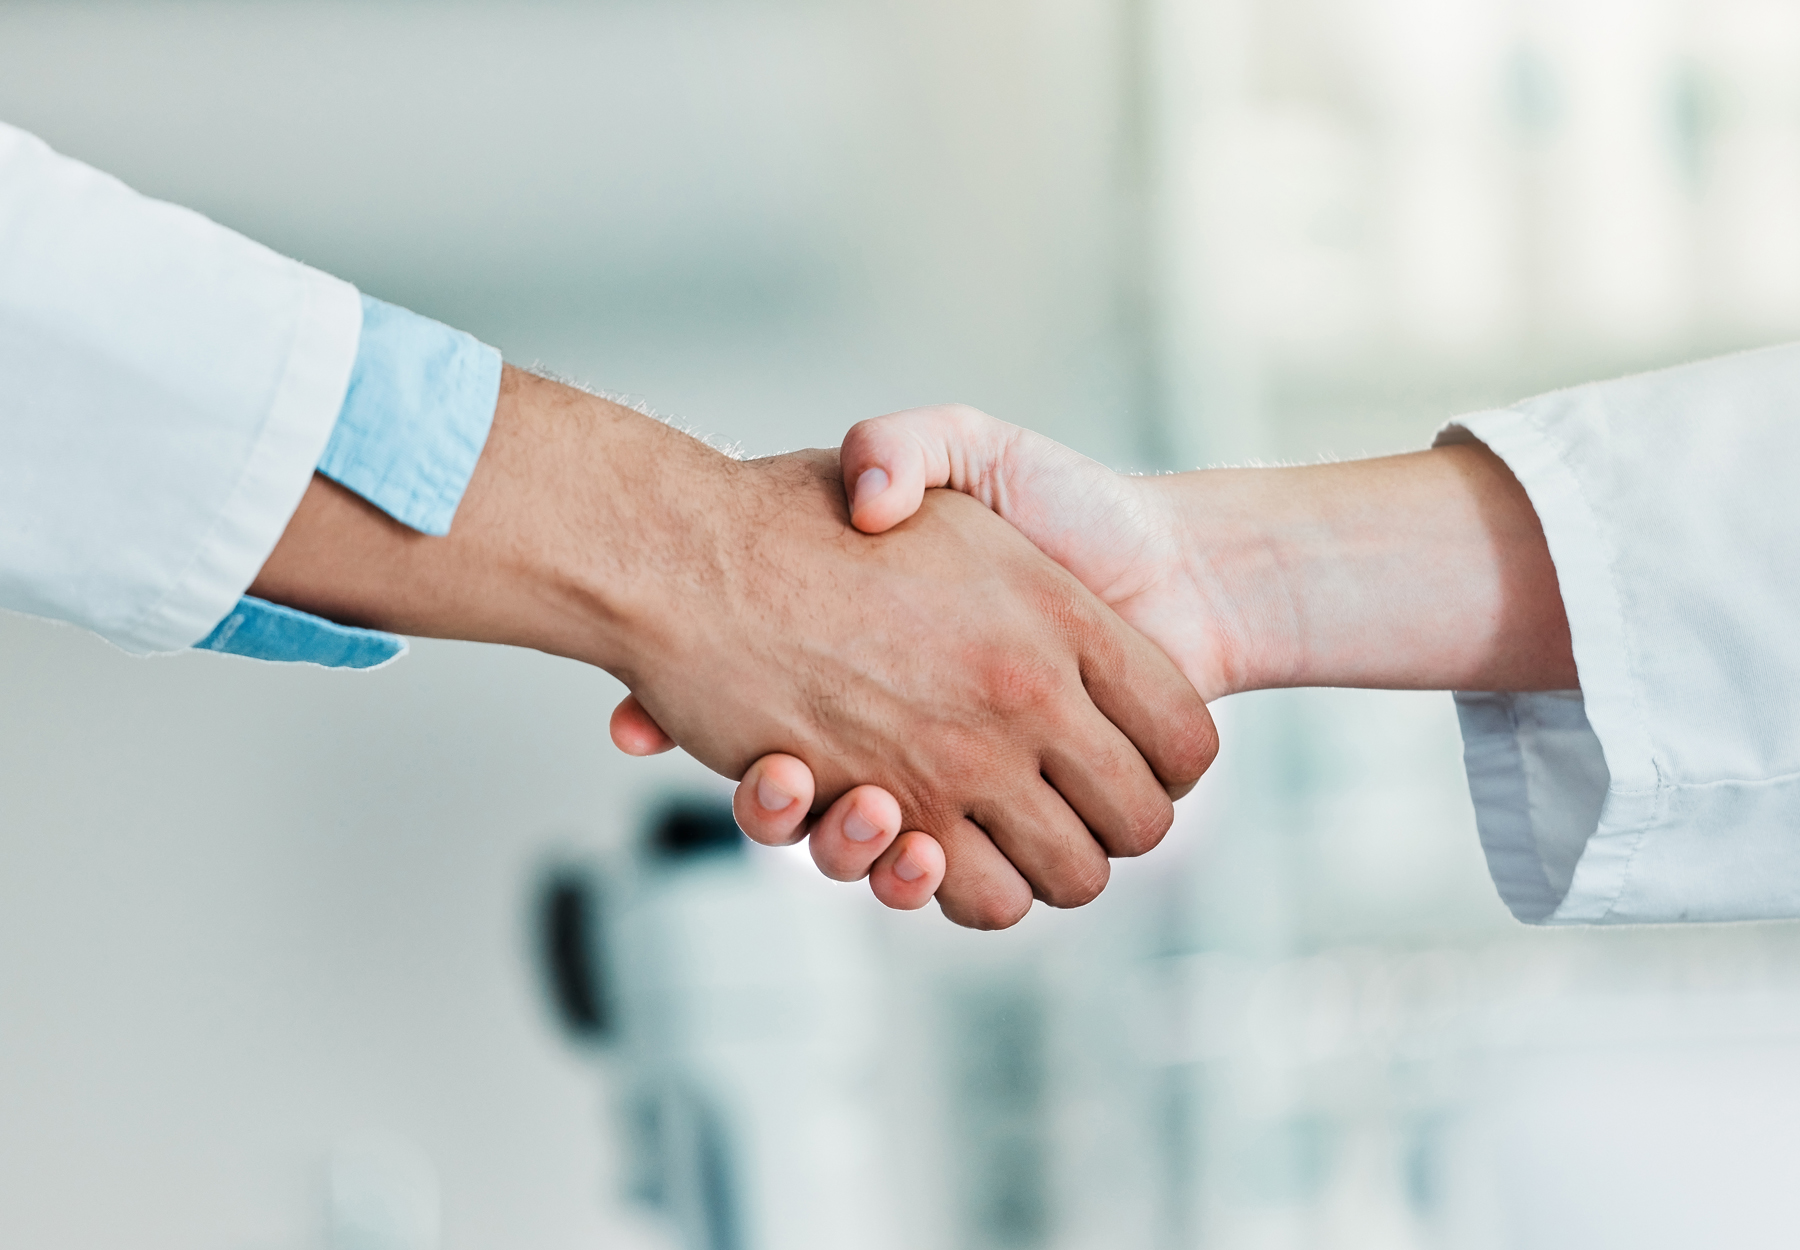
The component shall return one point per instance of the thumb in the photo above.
(885, 472)
(890, 462)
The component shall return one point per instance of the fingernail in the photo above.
(859, 828)
(906, 870)
(772, 797)
(869, 487)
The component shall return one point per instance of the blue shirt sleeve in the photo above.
(415, 418)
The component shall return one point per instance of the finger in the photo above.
(890, 462)
(853, 833)
(1048, 844)
(773, 799)
(635, 731)
(908, 872)
(885, 472)
(981, 889)
(1111, 788)
(1140, 690)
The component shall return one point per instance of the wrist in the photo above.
(624, 529)
(1420, 571)
(1236, 562)
(647, 592)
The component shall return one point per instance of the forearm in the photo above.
(572, 510)
(1424, 571)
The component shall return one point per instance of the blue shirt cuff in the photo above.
(415, 418)
(414, 421)
(268, 631)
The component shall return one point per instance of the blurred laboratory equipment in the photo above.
(739, 1019)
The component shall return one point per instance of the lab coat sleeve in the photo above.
(1668, 787)
(168, 388)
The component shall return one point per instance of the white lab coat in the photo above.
(1668, 787)
(166, 388)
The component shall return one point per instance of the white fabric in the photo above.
(1668, 787)
(166, 387)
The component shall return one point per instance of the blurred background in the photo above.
(413, 960)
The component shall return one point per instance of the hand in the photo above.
(947, 662)
(1426, 571)
(858, 836)
(1115, 533)
(1122, 536)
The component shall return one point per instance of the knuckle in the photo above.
(1015, 682)
(1139, 812)
(1186, 747)
(1004, 915)
(1146, 824)
(937, 809)
(1194, 746)
(994, 909)
(864, 432)
(1080, 885)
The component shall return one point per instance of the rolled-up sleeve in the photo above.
(413, 425)
(1668, 787)
(169, 387)
(416, 418)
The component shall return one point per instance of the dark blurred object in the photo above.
(689, 828)
(572, 942)
(571, 928)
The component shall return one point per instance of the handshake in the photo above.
(965, 661)
(1024, 715)
(1014, 670)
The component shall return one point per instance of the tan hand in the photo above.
(948, 661)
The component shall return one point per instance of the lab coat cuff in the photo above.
(268, 490)
(1563, 783)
